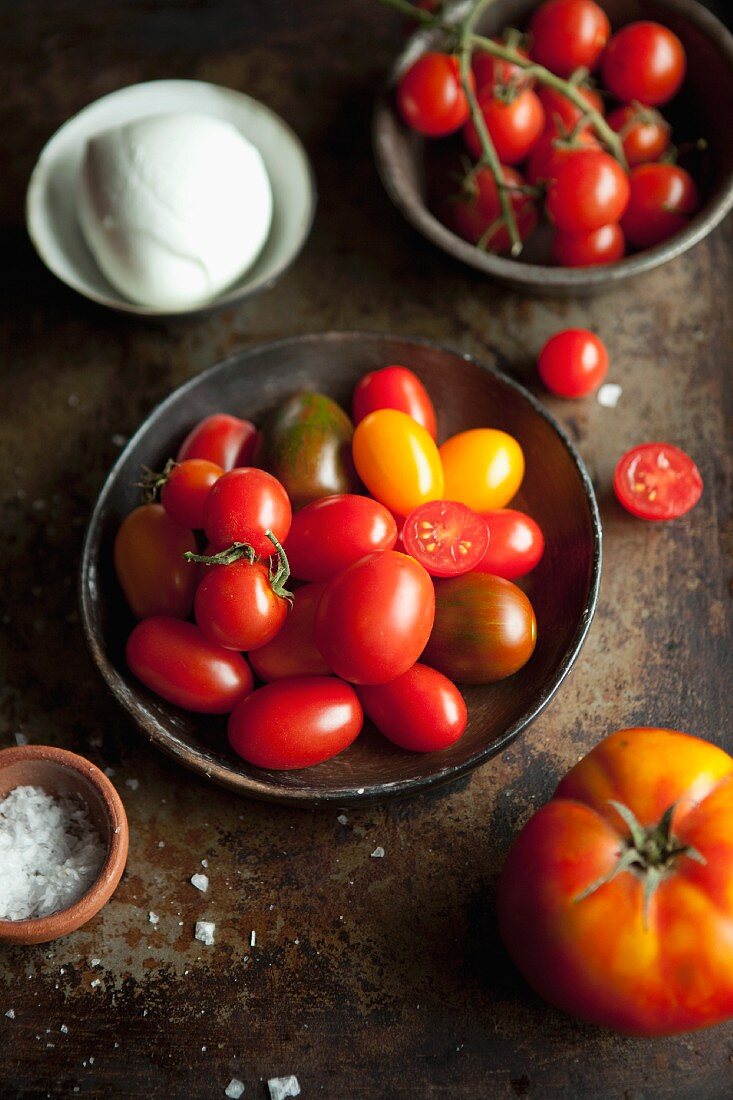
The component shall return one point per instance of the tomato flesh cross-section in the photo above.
(446, 537)
(657, 481)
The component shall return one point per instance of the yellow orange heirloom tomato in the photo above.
(616, 900)
(482, 468)
(397, 460)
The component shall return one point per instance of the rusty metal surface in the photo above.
(370, 978)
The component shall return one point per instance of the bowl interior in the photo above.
(57, 778)
(52, 219)
(563, 589)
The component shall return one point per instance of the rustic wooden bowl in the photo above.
(563, 589)
(408, 165)
(60, 772)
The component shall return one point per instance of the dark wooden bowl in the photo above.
(408, 166)
(563, 589)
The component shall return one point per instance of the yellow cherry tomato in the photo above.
(483, 468)
(397, 460)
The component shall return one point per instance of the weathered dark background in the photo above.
(370, 978)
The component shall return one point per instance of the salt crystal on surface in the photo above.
(608, 395)
(95, 962)
(234, 1089)
(21, 739)
(109, 772)
(95, 983)
(204, 863)
(283, 1087)
(153, 917)
(161, 844)
(378, 852)
(133, 784)
(50, 853)
(205, 931)
(201, 882)
(252, 938)
(64, 1029)
(342, 819)
(10, 1014)
(119, 440)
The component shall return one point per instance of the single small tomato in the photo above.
(222, 439)
(516, 544)
(374, 619)
(657, 481)
(293, 650)
(395, 388)
(568, 35)
(184, 487)
(149, 563)
(475, 214)
(562, 114)
(644, 62)
(484, 630)
(238, 607)
(644, 133)
(177, 662)
(494, 72)
(446, 537)
(616, 898)
(397, 460)
(296, 723)
(242, 506)
(421, 710)
(552, 149)
(483, 468)
(430, 96)
(663, 199)
(329, 534)
(573, 362)
(606, 245)
(590, 189)
(514, 125)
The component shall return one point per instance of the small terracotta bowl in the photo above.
(60, 772)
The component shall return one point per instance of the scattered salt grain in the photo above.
(608, 395)
(133, 784)
(161, 844)
(10, 1014)
(50, 853)
(21, 739)
(119, 440)
(64, 1029)
(283, 1087)
(234, 1089)
(97, 982)
(342, 819)
(201, 882)
(153, 917)
(378, 852)
(204, 863)
(205, 932)
(95, 962)
(253, 938)
(109, 772)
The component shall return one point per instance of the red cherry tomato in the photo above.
(446, 537)
(422, 710)
(657, 481)
(242, 506)
(569, 35)
(296, 723)
(430, 96)
(222, 439)
(329, 534)
(601, 246)
(663, 199)
(475, 214)
(148, 556)
(375, 618)
(573, 363)
(493, 72)
(552, 149)
(186, 488)
(562, 114)
(293, 650)
(514, 126)
(644, 62)
(516, 544)
(177, 662)
(237, 607)
(590, 189)
(395, 388)
(644, 133)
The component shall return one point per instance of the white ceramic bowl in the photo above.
(50, 204)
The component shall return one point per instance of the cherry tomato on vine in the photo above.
(552, 149)
(329, 534)
(397, 460)
(296, 723)
(516, 544)
(562, 114)
(395, 388)
(186, 488)
(569, 35)
(237, 606)
(590, 189)
(293, 650)
(430, 96)
(573, 363)
(644, 133)
(242, 506)
(657, 481)
(446, 537)
(494, 72)
(476, 213)
(223, 439)
(483, 468)
(606, 245)
(421, 710)
(644, 62)
(149, 563)
(374, 619)
(177, 662)
(663, 199)
(514, 125)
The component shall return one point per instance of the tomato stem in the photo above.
(152, 482)
(225, 557)
(278, 574)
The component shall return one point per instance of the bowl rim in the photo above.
(267, 790)
(64, 921)
(231, 297)
(545, 276)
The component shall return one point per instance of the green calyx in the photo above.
(278, 573)
(152, 481)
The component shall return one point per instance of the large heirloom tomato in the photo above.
(616, 900)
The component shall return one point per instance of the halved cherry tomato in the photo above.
(186, 488)
(493, 72)
(242, 506)
(374, 618)
(446, 537)
(149, 563)
(421, 710)
(590, 189)
(177, 662)
(483, 468)
(561, 113)
(430, 95)
(644, 133)
(516, 544)
(606, 245)
(644, 62)
(514, 125)
(657, 481)
(569, 35)
(395, 388)
(223, 439)
(475, 213)
(573, 362)
(293, 650)
(237, 607)
(663, 199)
(397, 460)
(329, 534)
(296, 723)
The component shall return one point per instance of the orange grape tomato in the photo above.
(397, 460)
(483, 468)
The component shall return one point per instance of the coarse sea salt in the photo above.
(50, 853)
(234, 1089)
(204, 932)
(283, 1087)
